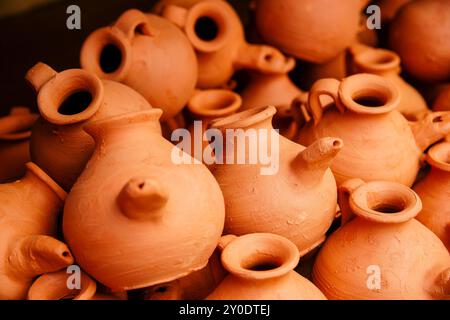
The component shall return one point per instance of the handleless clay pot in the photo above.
(261, 267)
(419, 33)
(147, 53)
(380, 144)
(28, 221)
(135, 217)
(216, 32)
(381, 251)
(15, 132)
(67, 101)
(434, 190)
(297, 201)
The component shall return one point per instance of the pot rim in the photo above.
(245, 118)
(45, 178)
(439, 156)
(214, 103)
(378, 60)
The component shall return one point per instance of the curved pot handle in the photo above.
(130, 20)
(39, 75)
(344, 192)
(430, 129)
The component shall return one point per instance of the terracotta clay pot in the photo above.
(389, 8)
(312, 30)
(261, 267)
(147, 53)
(15, 132)
(67, 101)
(419, 34)
(216, 32)
(442, 100)
(380, 144)
(387, 64)
(28, 222)
(297, 201)
(381, 252)
(434, 190)
(157, 219)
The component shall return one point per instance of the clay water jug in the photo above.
(67, 101)
(158, 218)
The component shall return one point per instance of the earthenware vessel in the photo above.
(442, 100)
(389, 8)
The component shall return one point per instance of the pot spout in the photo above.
(432, 128)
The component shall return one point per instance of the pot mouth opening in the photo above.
(378, 60)
(439, 156)
(245, 118)
(214, 103)
(110, 58)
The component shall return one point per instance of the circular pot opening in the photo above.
(370, 101)
(75, 103)
(206, 28)
(260, 262)
(110, 58)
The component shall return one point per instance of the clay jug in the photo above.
(28, 222)
(434, 190)
(147, 53)
(312, 30)
(157, 218)
(387, 64)
(15, 132)
(261, 267)
(381, 251)
(380, 144)
(67, 101)
(419, 34)
(291, 193)
(217, 34)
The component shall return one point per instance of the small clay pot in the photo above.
(28, 224)
(261, 267)
(381, 251)
(15, 132)
(434, 190)
(67, 101)
(216, 32)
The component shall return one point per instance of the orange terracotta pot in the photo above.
(297, 201)
(389, 8)
(216, 32)
(67, 101)
(442, 101)
(381, 251)
(158, 220)
(419, 34)
(147, 53)
(28, 222)
(261, 267)
(380, 144)
(15, 132)
(434, 190)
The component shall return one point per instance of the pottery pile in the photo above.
(100, 201)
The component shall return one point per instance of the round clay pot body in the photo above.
(147, 53)
(67, 101)
(434, 191)
(216, 32)
(261, 267)
(442, 101)
(419, 34)
(157, 218)
(312, 30)
(28, 221)
(389, 8)
(15, 132)
(383, 253)
(380, 144)
(292, 195)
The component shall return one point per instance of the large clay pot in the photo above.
(147, 53)
(434, 190)
(312, 30)
(381, 251)
(15, 132)
(297, 201)
(156, 219)
(261, 267)
(380, 144)
(29, 211)
(419, 34)
(67, 101)
(216, 32)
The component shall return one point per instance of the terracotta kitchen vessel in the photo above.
(419, 33)
(380, 144)
(289, 191)
(29, 210)
(381, 251)
(261, 267)
(147, 53)
(67, 101)
(434, 190)
(135, 198)
(217, 34)
(15, 132)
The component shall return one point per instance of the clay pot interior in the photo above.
(214, 103)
